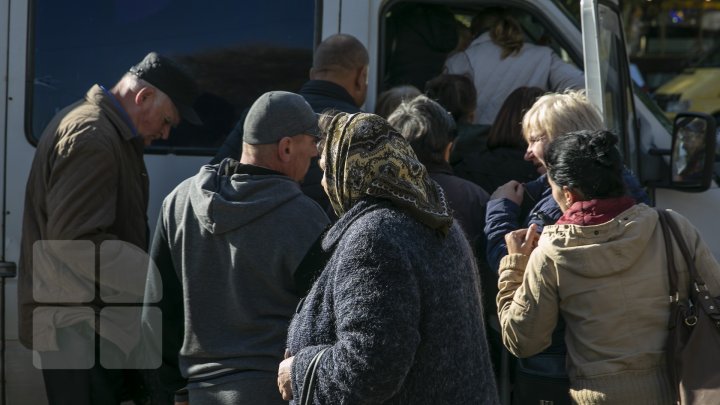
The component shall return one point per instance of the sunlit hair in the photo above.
(504, 30)
(557, 113)
(454, 92)
(587, 162)
(506, 130)
(426, 125)
(389, 99)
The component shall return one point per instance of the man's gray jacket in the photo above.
(228, 245)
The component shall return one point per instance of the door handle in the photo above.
(8, 269)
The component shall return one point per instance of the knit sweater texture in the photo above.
(399, 307)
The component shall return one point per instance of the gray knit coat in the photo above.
(399, 306)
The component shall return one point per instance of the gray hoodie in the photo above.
(234, 235)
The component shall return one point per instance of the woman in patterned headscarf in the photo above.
(396, 312)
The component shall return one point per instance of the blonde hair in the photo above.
(504, 30)
(507, 34)
(557, 113)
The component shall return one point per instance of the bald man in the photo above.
(338, 77)
(338, 80)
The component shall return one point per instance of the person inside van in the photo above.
(499, 60)
(418, 39)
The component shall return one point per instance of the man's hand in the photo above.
(512, 190)
(284, 381)
(523, 240)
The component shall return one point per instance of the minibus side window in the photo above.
(237, 50)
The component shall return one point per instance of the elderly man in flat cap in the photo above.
(236, 247)
(85, 232)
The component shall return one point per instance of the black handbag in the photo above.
(308, 389)
(693, 345)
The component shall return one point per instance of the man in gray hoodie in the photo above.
(235, 247)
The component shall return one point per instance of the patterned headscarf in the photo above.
(365, 156)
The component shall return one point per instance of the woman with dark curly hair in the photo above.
(602, 268)
(397, 308)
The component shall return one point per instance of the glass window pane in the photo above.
(236, 49)
(611, 57)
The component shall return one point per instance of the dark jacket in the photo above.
(323, 95)
(466, 199)
(491, 168)
(470, 138)
(87, 182)
(399, 308)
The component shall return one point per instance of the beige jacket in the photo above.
(610, 284)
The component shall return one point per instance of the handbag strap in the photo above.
(672, 271)
(698, 291)
(689, 259)
(308, 389)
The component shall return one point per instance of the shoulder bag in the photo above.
(693, 346)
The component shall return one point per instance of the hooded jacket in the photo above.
(229, 243)
(610, 283)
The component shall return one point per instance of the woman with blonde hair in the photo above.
(499, 61)
(516, 205)
(599, 269)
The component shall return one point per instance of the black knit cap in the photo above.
(173, 80)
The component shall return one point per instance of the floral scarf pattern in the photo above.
(365, 156)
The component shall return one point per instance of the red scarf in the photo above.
(594, 212)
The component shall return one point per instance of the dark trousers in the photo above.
(93, 385)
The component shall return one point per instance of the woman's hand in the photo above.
(512, 190)
(284, 382)
(523, 240)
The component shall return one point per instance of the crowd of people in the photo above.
(388, 258)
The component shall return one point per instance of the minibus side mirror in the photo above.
(692, 158)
